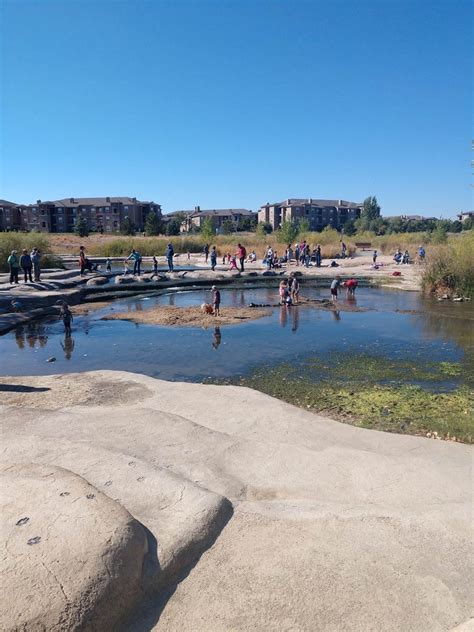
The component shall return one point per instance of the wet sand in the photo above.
(190, 316)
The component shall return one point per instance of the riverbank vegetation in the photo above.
(18, 241)
(450, 267)
(380, 393)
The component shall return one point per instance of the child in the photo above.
(67, 318)
(155, 265)
(216, 300)
(108, 265)
(233, 262)
(374, 257)
(126, 269)
(334, 286)
(351, 285)
(295, 289)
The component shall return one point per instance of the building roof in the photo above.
(7, 203)
(222, 212)
(316, 202)
(98, 201)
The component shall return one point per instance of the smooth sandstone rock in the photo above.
(73, 557)
(99, 280)
(334, 527)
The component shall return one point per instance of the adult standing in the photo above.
(169, 257)
(289, 254)
(241, 254)
(82, 259)
(343, 249)
(14, 266)
(374, 257)
(307, 255)
(318, 256)
(206, 251)
(213, 258)
(36, 261)
(26, 265)
(297, 254)
(136, 257)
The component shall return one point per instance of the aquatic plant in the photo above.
(377, 392)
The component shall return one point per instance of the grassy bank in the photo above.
(450, 267)
(378, 393)
(112, 245)
(18, 241)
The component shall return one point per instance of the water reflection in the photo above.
(31, 333)
(217, 337)
(295, 319)
(395, 324)
(68, 346)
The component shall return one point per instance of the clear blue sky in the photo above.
(235, 103)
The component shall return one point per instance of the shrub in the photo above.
(449, 268)
(18, 241)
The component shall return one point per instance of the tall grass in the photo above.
(18, 241)
(450, 267)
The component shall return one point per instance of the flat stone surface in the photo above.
(334, 527)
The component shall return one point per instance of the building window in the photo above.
(43, 224)
(125, 208)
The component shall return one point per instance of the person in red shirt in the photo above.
(351, 285)
(241, 254)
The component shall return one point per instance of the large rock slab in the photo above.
(73, 557)
(334, 527)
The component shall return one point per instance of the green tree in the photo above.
(207, 228)
(287, 232)
(152, 224)
(349, 228)
(264, 228)
(247, 223)
(173, 227)
(80, 227)
(127, 227)
(227, 227)
(370, 212)
(440, 234)
(303, 225)
(468, 224)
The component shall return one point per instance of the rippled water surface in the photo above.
(397, 325)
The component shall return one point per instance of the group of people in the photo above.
(289, 291)
(301, 253)
(29, 263)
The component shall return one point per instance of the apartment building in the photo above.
(319, 213)
(102, 214)
(218, 216)
(10, 216)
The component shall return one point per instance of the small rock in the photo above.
(51, 359)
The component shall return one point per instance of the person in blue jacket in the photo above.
(169, 257)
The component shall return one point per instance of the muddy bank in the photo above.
(190, 316)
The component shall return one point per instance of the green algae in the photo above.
(376, 392)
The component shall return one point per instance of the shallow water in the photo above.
(430, 332)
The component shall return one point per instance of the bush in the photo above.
(287, 232)
(18, 241)
(449, 268)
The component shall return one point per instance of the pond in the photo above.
(396, 325)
